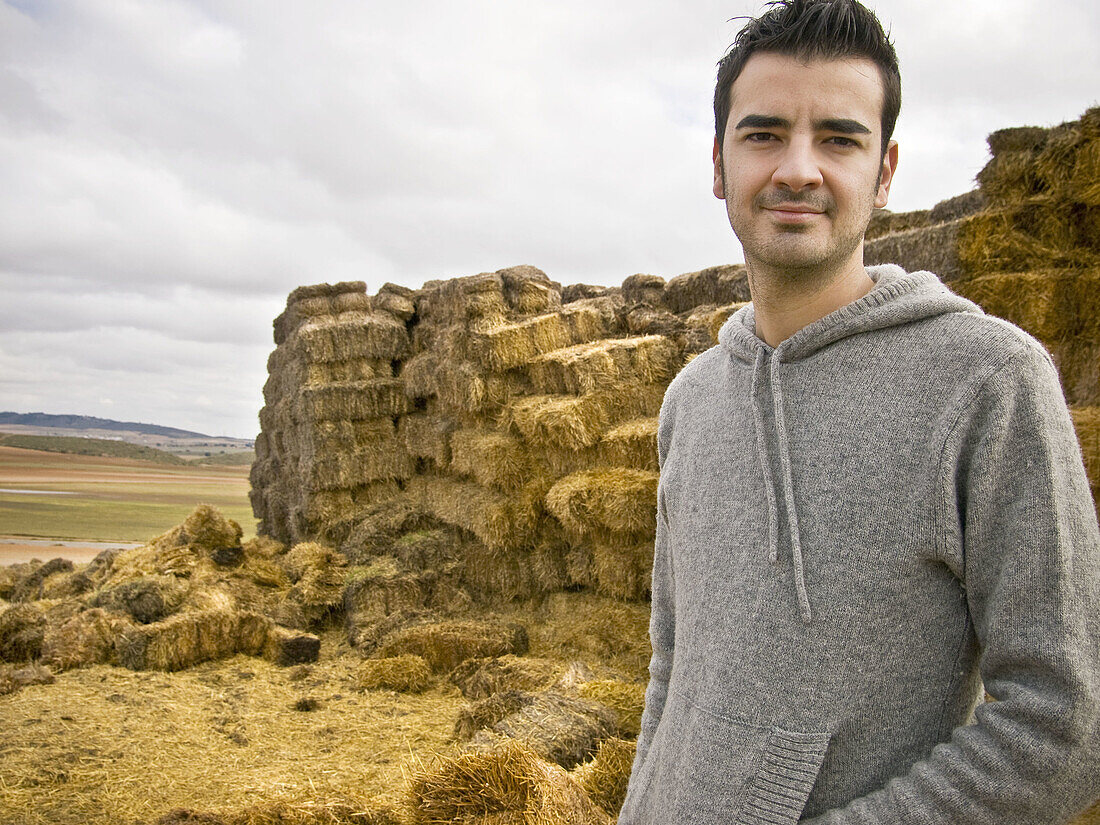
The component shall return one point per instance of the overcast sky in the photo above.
(170, 170)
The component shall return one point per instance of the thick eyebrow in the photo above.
(842, 125)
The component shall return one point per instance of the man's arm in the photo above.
(1021, 534)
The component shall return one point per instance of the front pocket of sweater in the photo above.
(714, 770)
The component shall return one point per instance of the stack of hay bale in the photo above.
(1026, 247)
(329, 443)
(496, 414)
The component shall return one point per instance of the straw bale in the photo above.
(644, 319)
(590, 319)
(86, 639)
(482, 677)
(593, 626)
(351, 336)
(329, 507)
(1086, 421)
(1053, 305)
(561, 729)
(334, 372)
(1017, 139)
(606, 776)
(932, 248)
(493, 459)
(1010, 177)
(14, 678)
(356, 302)
(626, 699)
(352, 467)
(7, 582)
(378, 398)
(491, 575)
(428, 549)
(959, 206)
(286, 647)
(547, 560)
(1038, 235)
(587, 367)
(206, 529)
(563, 422)
(623, 568)
(324, 290)
(503, 785)
(22, 629)
(514, 344)
(446, 643)
(715, 285)
(579, 566)
(501, 522)
(29, 588)
(485, 713)
(631, 444)
(382, 589)
(527, 290)
(578, 292)
(187, 639)
(1054, 163)
(474, 298)
(884, 222)
(1084, 185)
(397, 300)
(405, 674)
(618, 499)
(147, 599)
(643, 289)
(379, 527)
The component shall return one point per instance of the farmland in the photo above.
(49, 495)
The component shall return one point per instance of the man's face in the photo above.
(801, 164)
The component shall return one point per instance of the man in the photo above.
(871, 501)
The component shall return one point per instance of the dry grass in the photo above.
(105, 745)
(1053, 305)
(617, 499)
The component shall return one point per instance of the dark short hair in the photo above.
(813, 29)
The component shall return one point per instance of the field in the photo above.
(63, 496)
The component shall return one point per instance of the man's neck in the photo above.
(784, 305)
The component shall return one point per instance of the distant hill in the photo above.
(89, 446)
(88, 422)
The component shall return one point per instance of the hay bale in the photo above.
(1086, 421)
(561, 729)
(1084, 184)
(1039, 234)
(86, 639)
(715, 285)
(579, 292)
(1053, 305)
(618, 499)
(1079, 368)
(590, 626)
(351, 336)
(286, 647)
(405, 674)
(626, 699)
(493, 783)
(1010, 177)
(207, 530)
(959, 206)
(145, 600)
(631, 444)
(22, 629)
(355, 400)
(14, 678)
(188, 639)
(480, 678)
(472, 299)
(445, 644)
(931, 248)
(514, 344)
(605, 777)
(338, 470)
(566, 422)
(492, 575)
(494, 459)
(643, 289)
(708, 320)
(28, 588)
(483, 714)
(8, 579)
(623, 566)
(501, 522)
(378, 528)
(1017, 139)
(427, 436)
(884, 222)
(584, 368)
(527, 290)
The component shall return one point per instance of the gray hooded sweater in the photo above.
(856, 529)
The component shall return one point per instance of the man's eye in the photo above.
(842, 141)
(759, 137)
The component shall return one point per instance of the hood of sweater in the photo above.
(897, 298)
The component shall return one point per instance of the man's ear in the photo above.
(886, 175)
(719, 187)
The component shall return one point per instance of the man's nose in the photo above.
(798, 167)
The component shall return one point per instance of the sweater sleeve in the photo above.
(1018, 527)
